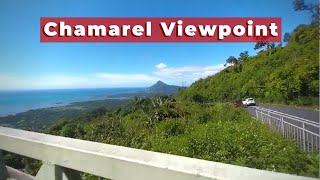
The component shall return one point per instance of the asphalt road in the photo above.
(309, 114)
(312, 115)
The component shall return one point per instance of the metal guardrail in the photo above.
(303, 131)
(64, 158)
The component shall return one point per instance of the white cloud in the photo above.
(161, 66)
(126, 79)
(171, 75)
(74, 81)
(187, 73)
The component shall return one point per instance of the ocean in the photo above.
(12, 102)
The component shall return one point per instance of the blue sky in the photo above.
(28, 64)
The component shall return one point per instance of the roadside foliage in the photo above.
(198, 123)
(284, 75)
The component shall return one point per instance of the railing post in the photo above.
(54, 172)
(70, 174)
(269, 118)
(16, 174)
(304, 137)
(3, 169)
(281, 125)
(48, 172)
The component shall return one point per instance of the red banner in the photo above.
(160, 30)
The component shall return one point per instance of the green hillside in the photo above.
(198, 123)
(285, 75)
(216, 132)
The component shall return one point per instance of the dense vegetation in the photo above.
(283, 75)
(195, 124)
(198, 123)
(215, 132)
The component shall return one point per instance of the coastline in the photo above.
(57, 107)
(39, 119)
(64, 104)
(14, 102)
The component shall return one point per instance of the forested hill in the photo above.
(216, 132)
(161, 87)
(286, 75)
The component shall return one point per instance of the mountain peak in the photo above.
(159, 83)
(161, 87)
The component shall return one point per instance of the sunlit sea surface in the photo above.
(12, 102)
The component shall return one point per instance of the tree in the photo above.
(299, 5)
(198, 98)
(232, 60)
(271, 46)
(286, 37)
(267, 45)
(259, 45)
(69, 130)
(244, 56)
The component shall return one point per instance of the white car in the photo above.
(249, 102)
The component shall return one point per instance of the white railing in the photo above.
(303, 131)
(65, 158)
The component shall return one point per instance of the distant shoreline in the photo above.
(15, 102)
(36, 110)
(41, 118)
(61, 104)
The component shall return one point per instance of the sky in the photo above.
(26, 63)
